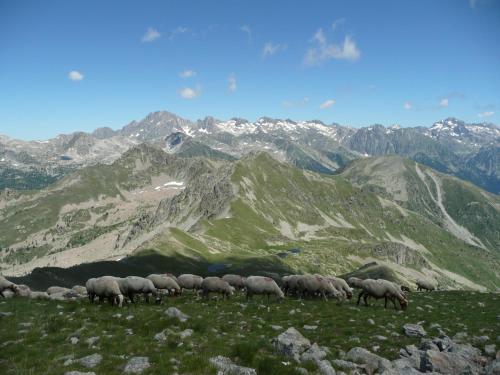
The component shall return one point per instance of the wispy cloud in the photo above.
(486, 114)
(337, 23)
(407, 105)
(270, 49)
(443, 103)
(190, 93)
(299, 103)
(327, 104)
(75, 75)
(247, 30)
(473, 3)
(178, 31)
(323, 50)
(231, 83)
(187, 73)
(150, 35)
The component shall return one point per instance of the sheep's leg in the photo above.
(1, 294)
(394, 303)
(359, 297)
(324, 295)
(365, 298)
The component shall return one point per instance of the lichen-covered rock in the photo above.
(414, 330)
(291, 344)
(136, 365)
(226, 367)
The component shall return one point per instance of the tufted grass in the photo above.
(234, 328)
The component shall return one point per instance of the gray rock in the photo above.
(314, 353)
(490, 350)
(5, 314)
(226, 367)
(325, 367)
(174, 312)
(371, 322)
(460, 336)
(414, 330)
(310, 328)
(136, 365)
(291, 343)
(427, 344)
(480, 339)
(90, 361)
(447, 363)
(443, 342)
(185, 333)
(74, 340)
(345, 365)
(79, 373)
(92, 340)
(411, 355)
(371, 362)
(160, 337)
(493, 368)
(276, 328)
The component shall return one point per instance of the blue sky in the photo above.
(78, 65)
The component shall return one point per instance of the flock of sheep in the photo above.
(116, 289)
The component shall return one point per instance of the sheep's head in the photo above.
(403, 303)
(349, 294)
(15, 288)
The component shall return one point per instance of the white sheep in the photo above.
(425, 285)
(382, 289)
(262, 285)
(132, 285)
(190, 281)
(89, 286)
(355, 282)
(107, 287)
(7, 285)
(317, 285)
(214, 284)
(236, 281)
(291, 284)
(341, 286)
(162, 282)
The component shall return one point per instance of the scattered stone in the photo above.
(345, 365)
(129, 332)
(291, 343)
(74, 340)
(371, 362)
(92, 340)
(490, 350)
(314, 353)
(79, 373)
(186, 333)
(493, 368)
(90, 361)
(136, 365)
(480, 339)
(371, 322)
(160, 337)
(26, 325)
(325, 367)
(174, 312)
(276, 328)
(380, 337)
(5, 314)
(226, 367)
(310, 328)
(460, 336)
(414, 330)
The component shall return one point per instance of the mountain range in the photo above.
(468, 151)
(174, 195)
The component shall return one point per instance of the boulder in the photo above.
(493, 368)
(225, 366)
(447, 363)
(414, 330)
(136, 365)
(371, 362)
(291, 344)
(314, 353)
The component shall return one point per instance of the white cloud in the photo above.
(150, 35)
(270, 49)
(187, 73)
(327, 104)
(486, 114)
(444, 102)
(178, 31)
(407, 105)
(247, 30)
(472, 3)
(338, 22)
(189, 93)
(323, 50)
(75, 75)
(231, 83)
(299, 103)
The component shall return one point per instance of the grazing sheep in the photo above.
(355, 282)
(262, 285)
(89, 286)
(189, 281)
(162, 282)
(236, 281)
(291, 284)
(132, 285)
(214, 284)
(382, 289)
(425, 285)
(316, 285)
(107, 287)
(172, 276)
(24, 290)
(341, 285)
(6, 285)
